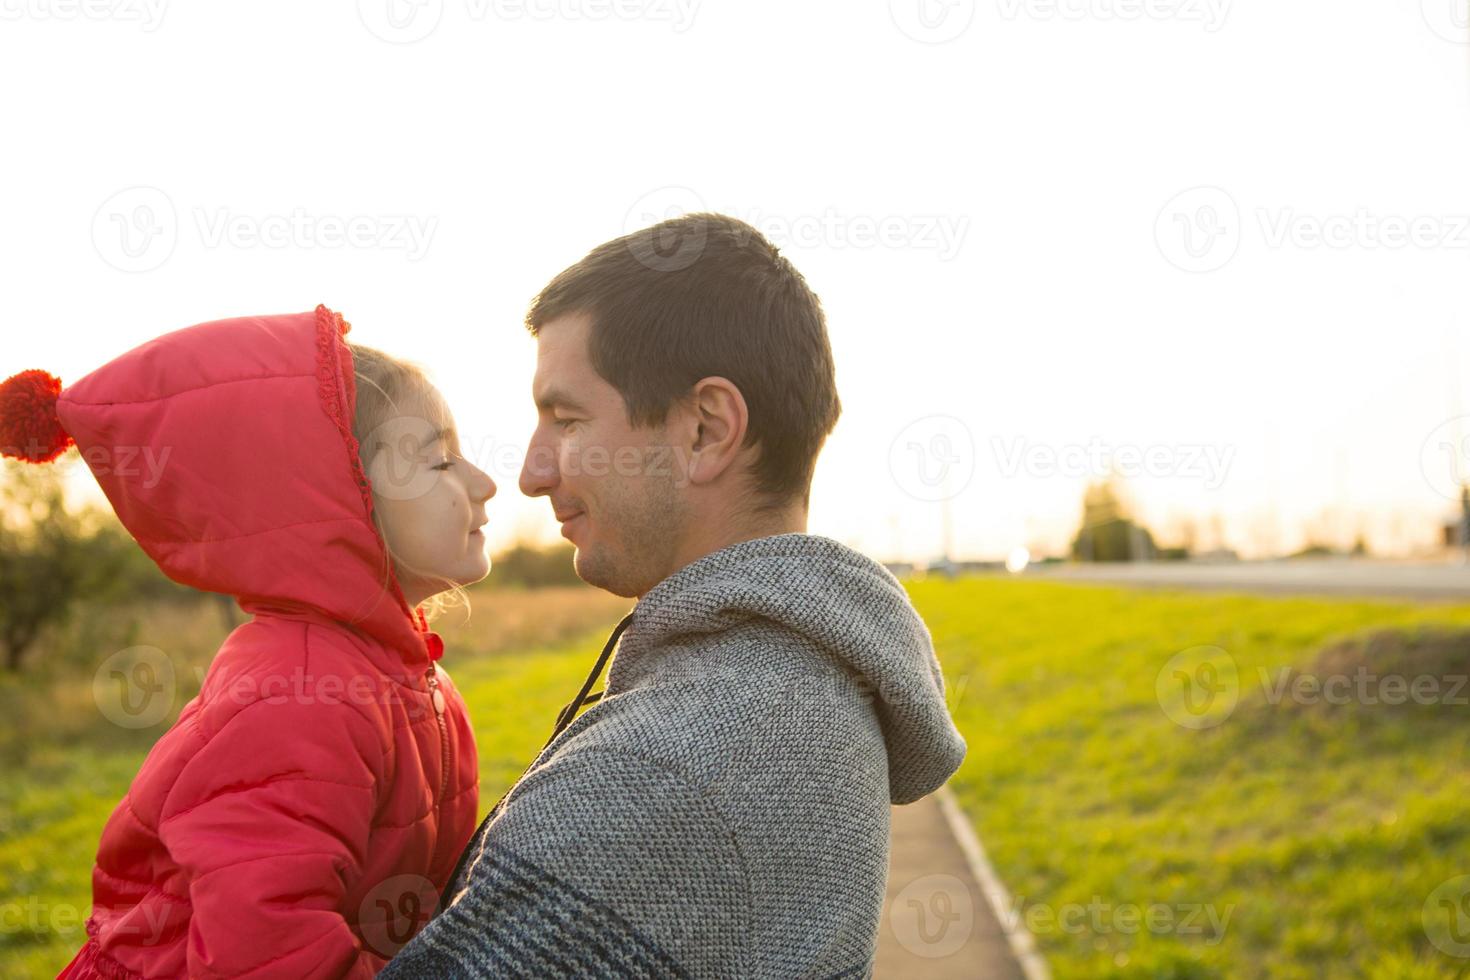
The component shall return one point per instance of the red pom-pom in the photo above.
(29, 426)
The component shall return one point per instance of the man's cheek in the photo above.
(572, 459)
(658, 462)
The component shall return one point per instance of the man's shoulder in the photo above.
(755, 668)
(760, 755)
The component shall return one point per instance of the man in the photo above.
(722, 810)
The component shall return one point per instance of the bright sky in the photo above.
(1223, 245)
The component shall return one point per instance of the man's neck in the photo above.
(715, 535)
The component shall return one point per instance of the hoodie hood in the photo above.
(843, 602)
(227, 451)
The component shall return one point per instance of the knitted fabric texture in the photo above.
(723, 810)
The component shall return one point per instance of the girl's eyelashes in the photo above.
(449, 461)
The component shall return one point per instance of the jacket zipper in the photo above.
(437, 697)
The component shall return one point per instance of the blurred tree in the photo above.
(52, 555)
(1108, 533)
(42, 563)
(1465, 519)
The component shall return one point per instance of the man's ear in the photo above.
(721, 419)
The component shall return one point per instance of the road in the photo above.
(1360, 577)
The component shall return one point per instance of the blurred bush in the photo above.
(524, 565)
(55, 558)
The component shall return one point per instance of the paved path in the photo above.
(939, 921)
(1415, 580)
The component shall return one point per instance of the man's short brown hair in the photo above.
(706, 295)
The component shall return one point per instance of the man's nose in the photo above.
(539, 473)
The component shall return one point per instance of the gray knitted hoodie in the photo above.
(723, 810)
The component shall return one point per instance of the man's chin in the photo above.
(593, 568)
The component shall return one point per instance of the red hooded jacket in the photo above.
(303, 814)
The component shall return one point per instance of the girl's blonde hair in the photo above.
(385, 385)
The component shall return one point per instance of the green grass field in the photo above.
(1283, 840)
(1320, 829)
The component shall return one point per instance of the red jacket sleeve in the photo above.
(269, 821)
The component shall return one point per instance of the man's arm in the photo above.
(601, 864)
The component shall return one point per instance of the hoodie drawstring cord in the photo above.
(476, 845)
(569, 713)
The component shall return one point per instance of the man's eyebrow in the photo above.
(556, 398)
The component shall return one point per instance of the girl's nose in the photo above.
(483, 487)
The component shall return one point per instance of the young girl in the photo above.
(304, 812)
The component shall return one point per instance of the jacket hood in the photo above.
(845, 603)
(227, 451)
